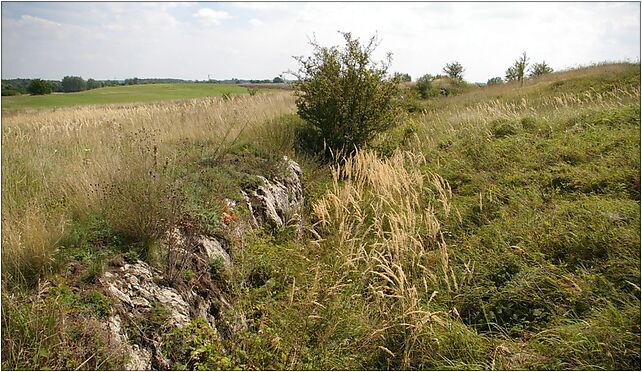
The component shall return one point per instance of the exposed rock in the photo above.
(140, 359)
(137, 288)
(214, 250)
(278, 201)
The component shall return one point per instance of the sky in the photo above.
(258, 40)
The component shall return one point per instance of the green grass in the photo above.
(122, 94)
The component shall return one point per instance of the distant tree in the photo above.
(132, 81)
(11, 91)
(39, 87)
(403, 77)
(540, 69)
(56, 86)
(494, 81)
(93, 84)
(278, 80)
(518, 70)
(454, 70)
(73, 84)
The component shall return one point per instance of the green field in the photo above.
(122, 94)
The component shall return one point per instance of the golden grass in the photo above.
(58, 163)
(381, 215)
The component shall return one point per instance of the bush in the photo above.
(39, 87)
(425, 87)
(344, 95)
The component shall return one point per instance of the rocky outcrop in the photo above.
(138, 289)
(278, 201)
(194, 283)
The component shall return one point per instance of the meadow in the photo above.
(122, 94)
(495, 229)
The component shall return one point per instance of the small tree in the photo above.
(278, 80)
(39, 87)
(454, 70)
(73, 84)
(494, 81)
(518, 70)
(346, 96)
(540, 69)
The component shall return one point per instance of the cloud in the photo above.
(256, 22)
(190, 41)
(211, 17)
(39, 21)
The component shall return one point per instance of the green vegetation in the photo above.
(425, 86)
(123, 94)
(73, 84)
(345, 96)
(498, 228)
(539, 213)
(539, 69)
(38, 87)
(58, 331)
(518, 70)
(454, 70)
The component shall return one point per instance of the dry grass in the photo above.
(538, 97)
(381, 217)
(61, 163)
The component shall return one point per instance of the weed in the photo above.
(49, 332)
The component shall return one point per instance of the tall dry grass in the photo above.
(58, 164)
(381, 219)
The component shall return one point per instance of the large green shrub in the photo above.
(39, 87)
(346, 96)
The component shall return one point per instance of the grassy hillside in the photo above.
(122, 94)
(497, 229)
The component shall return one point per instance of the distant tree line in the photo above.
(69, 84)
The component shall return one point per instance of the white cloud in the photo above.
(256, 22)
(211, 17)
(26, 19)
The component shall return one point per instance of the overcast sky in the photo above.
(258, 40)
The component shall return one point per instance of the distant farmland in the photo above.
(122, 94)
